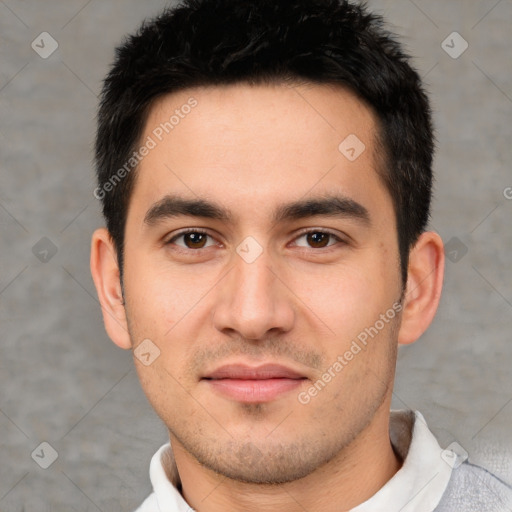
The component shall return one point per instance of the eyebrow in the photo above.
(172, 206)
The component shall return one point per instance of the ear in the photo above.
(424, 283)
(106, 277)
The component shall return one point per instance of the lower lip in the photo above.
(254, 391)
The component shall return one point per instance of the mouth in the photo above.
(250, 384)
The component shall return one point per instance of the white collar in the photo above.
(417, 487)
(419, 484)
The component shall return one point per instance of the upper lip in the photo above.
(246, 372)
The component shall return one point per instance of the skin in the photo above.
(301, 303)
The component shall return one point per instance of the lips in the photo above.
(250, 384)
(267, 371)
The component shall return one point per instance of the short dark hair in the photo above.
(222, 42)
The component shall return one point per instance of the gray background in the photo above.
(61, 379)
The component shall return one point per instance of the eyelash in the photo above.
(299, 235)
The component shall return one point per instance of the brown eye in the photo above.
(192, 239)
(318, 239)
(195, 240)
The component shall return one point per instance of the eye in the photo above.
(191, 239)
(318, 239)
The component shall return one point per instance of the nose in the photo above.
(253, 300)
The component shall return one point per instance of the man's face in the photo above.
(263, 284)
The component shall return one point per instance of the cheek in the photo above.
(169, 308)
(157, 298)
(159, 383)
(347, 298)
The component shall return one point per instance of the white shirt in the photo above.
(424, 481)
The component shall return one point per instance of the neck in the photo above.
(349, 479)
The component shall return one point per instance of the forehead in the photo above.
(247, 146)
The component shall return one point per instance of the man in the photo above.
(265, 175)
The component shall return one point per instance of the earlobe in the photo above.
(424, 284)
(106, 277)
